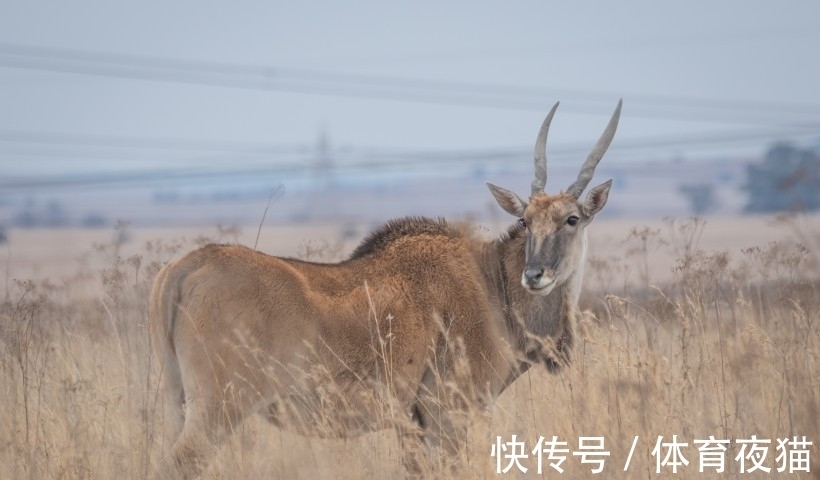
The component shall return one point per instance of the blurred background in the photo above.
(191, 113)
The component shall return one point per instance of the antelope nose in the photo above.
(533, 276)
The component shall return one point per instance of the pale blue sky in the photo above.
(754, 62)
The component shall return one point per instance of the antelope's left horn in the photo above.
(588, 169)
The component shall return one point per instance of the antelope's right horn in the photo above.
(588, 169)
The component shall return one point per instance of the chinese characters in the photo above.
(791, 455)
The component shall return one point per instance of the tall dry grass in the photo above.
(728, 348)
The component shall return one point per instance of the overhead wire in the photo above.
(260, 159)
(141, 67)
(780, 119)
(306, 163)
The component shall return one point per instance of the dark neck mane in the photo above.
(400, 228)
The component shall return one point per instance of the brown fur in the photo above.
(339, 349)
(240, 332)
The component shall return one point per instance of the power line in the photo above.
(244, 76)
(256, 77)
(356, 161)
(133, 142)
(46, 146)
(43, 144)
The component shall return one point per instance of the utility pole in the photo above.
(323, 179)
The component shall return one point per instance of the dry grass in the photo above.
(727, 346)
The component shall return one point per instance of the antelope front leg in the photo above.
(439, 443)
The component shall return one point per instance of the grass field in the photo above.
(690, 329)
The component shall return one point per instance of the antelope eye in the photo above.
(522, 222)
(572, 220)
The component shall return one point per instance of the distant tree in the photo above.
(702, 198)
(25, 218)
(52, 215)
(94, 220)
(788, 178)
(55, 215)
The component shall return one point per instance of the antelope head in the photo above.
(556, 224)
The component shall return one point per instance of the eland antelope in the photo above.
(336, 350)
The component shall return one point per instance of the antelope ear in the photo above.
(510, 202)
(596, 198)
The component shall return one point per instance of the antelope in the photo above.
(322, 348)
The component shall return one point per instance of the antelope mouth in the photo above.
(542, 288)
